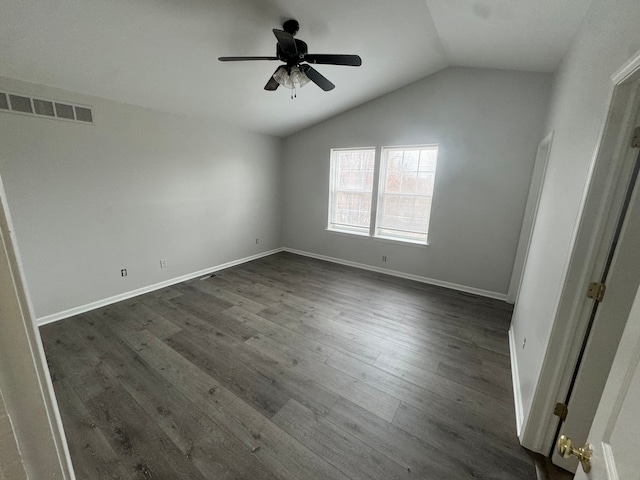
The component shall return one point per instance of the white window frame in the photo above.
(379, 177)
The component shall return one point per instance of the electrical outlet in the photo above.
(123, 272)
(163, 263)
(384, 258)
(257, 241)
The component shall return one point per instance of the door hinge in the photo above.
(561, 411)
(635, 140)
(596, 291)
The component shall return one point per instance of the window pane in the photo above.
(351, 189)
(405, 192)
(410, 160)
(393, 181)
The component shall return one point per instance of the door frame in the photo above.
(24, 376)
(530, 214)
(601, 200)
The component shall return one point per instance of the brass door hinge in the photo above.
(635, 140)
(596, 291)
(561, 411)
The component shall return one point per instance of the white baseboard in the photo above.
(167, 283)
(409, 276)
(134, 293)
(515, 378)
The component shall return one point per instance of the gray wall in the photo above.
(136, 187)
(488, 124)
(607, 39)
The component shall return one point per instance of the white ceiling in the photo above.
(162, 54)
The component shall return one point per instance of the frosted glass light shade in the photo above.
(295, 79)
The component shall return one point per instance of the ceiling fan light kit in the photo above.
(297, 72)
(292, 79)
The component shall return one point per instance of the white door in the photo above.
(615, 433)
(622, 277)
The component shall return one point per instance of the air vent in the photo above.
(44, 107)
(64, 111)
(84, 114)
(21, 104)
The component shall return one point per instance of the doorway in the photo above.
(603, 203)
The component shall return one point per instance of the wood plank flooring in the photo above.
(289, 368)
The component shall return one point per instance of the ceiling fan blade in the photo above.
(350, 60)
(286, 41)
(243, 59)
(317, 78)
(272, 84)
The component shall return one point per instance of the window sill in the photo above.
(347, 232)
(397, 241)
(410, 243)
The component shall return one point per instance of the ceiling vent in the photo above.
(4, 103)
(11, 102)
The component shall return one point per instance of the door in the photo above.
(621, 274)
(614, 434)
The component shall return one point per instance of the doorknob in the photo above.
(566, 449)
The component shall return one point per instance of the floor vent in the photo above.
(15, 103)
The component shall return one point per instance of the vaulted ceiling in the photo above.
(162, 54)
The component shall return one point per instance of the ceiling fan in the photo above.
(293, 52)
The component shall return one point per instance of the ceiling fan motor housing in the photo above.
(290, 59)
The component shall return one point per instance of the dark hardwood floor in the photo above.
(289, 368)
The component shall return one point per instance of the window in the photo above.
(351, 190)
(401, 203)
(407, 175)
